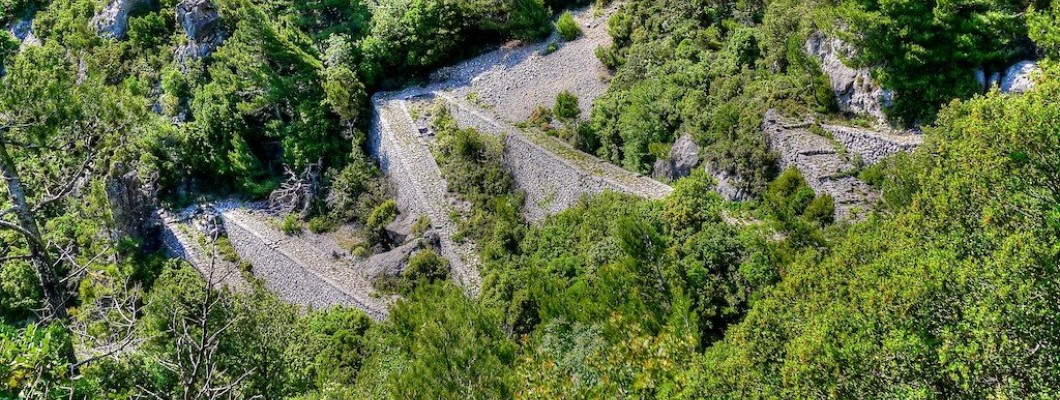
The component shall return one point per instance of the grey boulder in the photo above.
(1020, 77)
(855, 90)
(113, 21)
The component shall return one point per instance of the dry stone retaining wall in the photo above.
(825, 169)
(297, 271)
(873, 146)
(177, 243)
(421, 189)
(553, 182)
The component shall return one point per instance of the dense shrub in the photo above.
(377, 221)
(566, 107)
(426, 267)
(937, 36)
(567, 27)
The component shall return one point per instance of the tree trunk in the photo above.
(39, 256)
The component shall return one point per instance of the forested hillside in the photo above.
(744, 282)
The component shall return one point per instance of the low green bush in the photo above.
(291, 225)
(566, 107)
(567, 27)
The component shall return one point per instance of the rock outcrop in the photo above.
(728, 184)
(873, 146)
(1020, 77)
(684, 156)
(202, 25)
(132, 205)
(113, 21)
(22, 30)
(825, 168)
(855, 90)
(393, 263)
(401, 229)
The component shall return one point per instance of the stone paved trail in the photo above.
(824, 167)
(180, 244)
(619, 179)
(421, 189)
(296, 270)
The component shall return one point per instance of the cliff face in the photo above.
(113, 21)
(855, 90)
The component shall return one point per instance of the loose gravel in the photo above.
(296, 269)
(511, 82)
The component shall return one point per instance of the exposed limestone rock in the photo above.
(994, 80)
(23, 31)
(980, 78)
(132, 206)
(202, 24)
(113, 21)
(824, 167)
(400, 230)
(728, 184)
(855, 90)
(1020, 77)
(873, 146)
(684, 155)
(394, 262)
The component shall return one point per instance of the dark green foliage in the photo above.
(920, 303)
(426, 267)
(149, 30)
(291, 225)
(331, 345)
(34, 365)
(566, 107)
(1044, 28)
(378, 219)
(471, 162)
(567, 27)
(411, 36)
(439, 344)
(948, 38)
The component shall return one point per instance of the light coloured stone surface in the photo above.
(113, 21)
(856, 92)
(684, 156)
(822, 165)
(179, 241)
(299, 271)
(873, 146)
(202, 26)
(420, 187)
(729, 185)
(22, 29)
(513, 81)
(554, 175)
(1020, 77)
